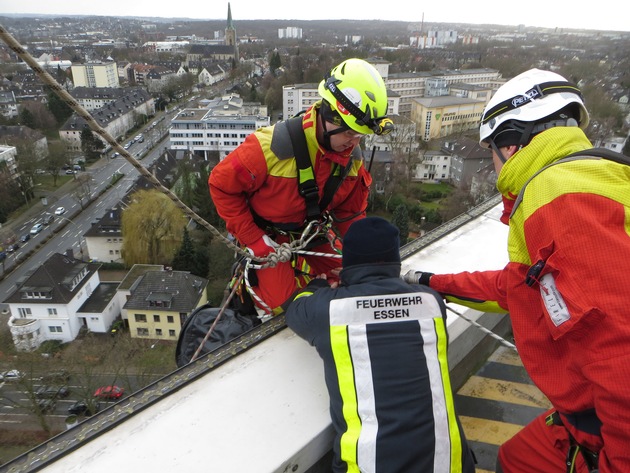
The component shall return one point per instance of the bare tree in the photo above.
(83, 192)
(57, 158)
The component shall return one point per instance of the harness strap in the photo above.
(603, 153)
(584, 154)
(307, 186)
(591, 458)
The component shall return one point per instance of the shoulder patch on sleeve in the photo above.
(281, 142)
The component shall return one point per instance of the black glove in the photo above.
(417, 277)
(315, 284)
(312, 286)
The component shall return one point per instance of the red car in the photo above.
(109, 392)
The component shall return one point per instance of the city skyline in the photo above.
(609, 15)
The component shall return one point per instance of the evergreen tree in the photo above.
(401, 220)
(58, 108)
(275, 62)
(90, 145)
(27, 118)
(184, 260)
(201, 262)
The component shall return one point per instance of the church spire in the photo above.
(230, 24)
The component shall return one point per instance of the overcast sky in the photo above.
(601, 15)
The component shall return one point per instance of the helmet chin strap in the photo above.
(327, 134)
(498, 151)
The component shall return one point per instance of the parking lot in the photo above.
(23, 402)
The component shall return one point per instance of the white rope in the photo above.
(484, 329)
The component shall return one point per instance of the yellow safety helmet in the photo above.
(355, 90)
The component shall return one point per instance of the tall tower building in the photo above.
(230, 33)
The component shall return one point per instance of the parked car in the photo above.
(11, 375)
(56, 377)
(13, 247)
(46, 405)
(109, 392)
(3, 255)
(35, 229)
(115, 155)
(24, 238)
(70, 171)
(52, 392)
(127, 145)
(82, 408)
(60, 210)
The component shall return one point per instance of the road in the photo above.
(76, 220)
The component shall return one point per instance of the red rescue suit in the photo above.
(566, 289)
(260, 177)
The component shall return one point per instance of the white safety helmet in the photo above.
(529, 98)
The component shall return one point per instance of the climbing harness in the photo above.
(314, 231)
(590, 458)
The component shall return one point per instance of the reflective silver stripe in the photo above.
(366, 445)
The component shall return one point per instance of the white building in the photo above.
(8, 104)
(221, 127)
(117, 117)
(7, 160)
(290, 32)
(299, 97)
(95, 74)
(104, 239)
(56, 300)
(412, 85)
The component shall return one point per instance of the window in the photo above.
(55, 329)
(140, 317)
(25, 312)
(158, 332)
(171, 333)
(142, 332)
(169, 319)
(156, 318)
(52, 311)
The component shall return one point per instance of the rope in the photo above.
(216, 320)
(501, 340)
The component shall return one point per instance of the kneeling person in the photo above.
(384, 347)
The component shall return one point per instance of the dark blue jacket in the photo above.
(384, 347)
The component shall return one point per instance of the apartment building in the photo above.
(290, 32)
(299, 97)
(117, 117)
(8, 163)
(219, 127)
(437, 117)
(95, 74)
(8, 104)
(160, 302)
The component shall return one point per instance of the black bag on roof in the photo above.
(230, 325)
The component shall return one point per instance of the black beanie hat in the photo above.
(371, 240)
